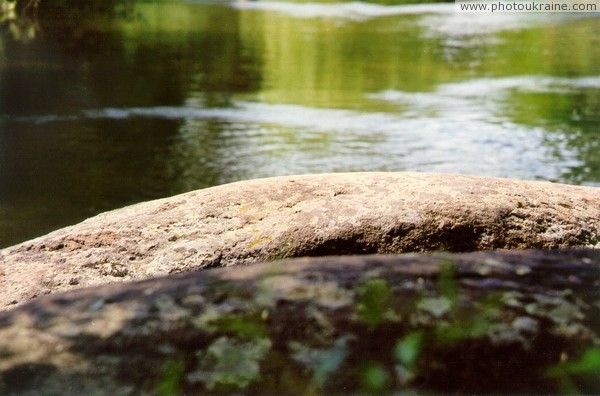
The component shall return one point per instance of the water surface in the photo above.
(193, 94)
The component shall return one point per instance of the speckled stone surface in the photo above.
(292, 216)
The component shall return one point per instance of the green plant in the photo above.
(408, 348)
(373, 300)
(375, 377)
(171, 376)
(570, 374)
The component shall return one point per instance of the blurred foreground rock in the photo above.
(313, 215)
(523, 322)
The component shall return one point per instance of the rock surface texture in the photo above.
(523, 322)
(313, 215)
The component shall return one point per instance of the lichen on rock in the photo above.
(320, 325)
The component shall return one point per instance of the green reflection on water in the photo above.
(294, 88)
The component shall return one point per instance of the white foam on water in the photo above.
(473, 95)
(482, 90)
(355, 10)
(456, 24)
(438, 19)
(291, 116)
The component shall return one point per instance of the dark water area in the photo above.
(190, 94)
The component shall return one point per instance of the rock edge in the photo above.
(291, 216)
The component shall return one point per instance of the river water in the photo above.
(190, 94)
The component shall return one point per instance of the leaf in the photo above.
(170, 378)
(447, 282)
(589, 363)
(374, 299)
(247, 327)
(375, 377)
(409, 348)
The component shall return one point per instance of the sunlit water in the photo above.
(194, 94)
